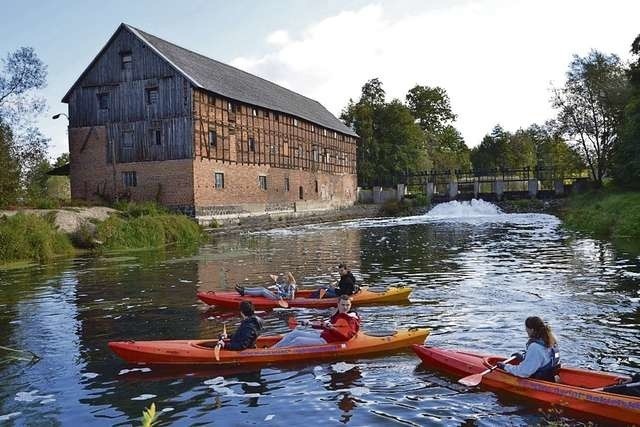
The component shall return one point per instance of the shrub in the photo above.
(31, 237)
(148, 231)
(607, 214)
(135, 210)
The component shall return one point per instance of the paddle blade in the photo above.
(282, 303)
(471, 380)
(224, 329)
(216, 352)
(323, 292)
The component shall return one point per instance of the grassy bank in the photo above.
(605, 214)
(32, 237)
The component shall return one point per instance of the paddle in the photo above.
(216, 350)
(475, 379)
(282, 303)
(323, 292)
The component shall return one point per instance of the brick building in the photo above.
(149, 120)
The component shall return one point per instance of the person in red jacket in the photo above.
(341, 327)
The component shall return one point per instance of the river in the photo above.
(476, 274)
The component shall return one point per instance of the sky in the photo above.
(497, 59)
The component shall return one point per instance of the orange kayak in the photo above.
(575, 391)
(393, 294)
(201, 352)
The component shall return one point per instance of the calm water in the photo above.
(476, 275)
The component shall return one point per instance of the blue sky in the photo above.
(497, 59)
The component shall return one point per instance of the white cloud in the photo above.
(279, 37)
(495, 58)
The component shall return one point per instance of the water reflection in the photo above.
(475, 279)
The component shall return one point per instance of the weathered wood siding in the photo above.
(131, 121)
(279, 140)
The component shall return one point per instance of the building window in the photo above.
(126, 60)
(276, 117)
(127, 139)
(301, 193)
(254, 112)
(156, 136)
(252, 144)
(286, 184)
(262, 182)
(316, 185)
(295, 122)
(103, 101)
(335, 135)
(324, 132)
(129, 179)
(229, 107)
(315, 155)
(152, 95)
(219, 180)
(213, 138)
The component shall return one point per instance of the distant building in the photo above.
(201, 136)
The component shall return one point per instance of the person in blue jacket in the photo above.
(541, 359)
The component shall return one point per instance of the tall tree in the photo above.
(591, 106)
(390, 140)
(23, 74)
(448, 151)
(626, 159)
(9, 168)
(431, 107)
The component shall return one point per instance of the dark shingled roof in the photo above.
(236, 84)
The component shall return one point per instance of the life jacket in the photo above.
(346, 326)
(550, 370)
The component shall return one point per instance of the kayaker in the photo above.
(346, 285)
(284, 288)
(341, 327)
(248, 331)
(541, 359)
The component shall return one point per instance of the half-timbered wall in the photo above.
(145, 104)
(251, 135)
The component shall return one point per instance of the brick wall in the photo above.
(242, 193)
(169, 182)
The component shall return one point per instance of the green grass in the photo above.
(149, 231)
(605, 214)
(31, 237)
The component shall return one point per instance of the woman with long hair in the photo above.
(541, 359)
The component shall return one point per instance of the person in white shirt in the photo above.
(541, 360)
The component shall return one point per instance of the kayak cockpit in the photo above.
(574, 377)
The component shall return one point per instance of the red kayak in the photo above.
(575, 391)
(201, 352)
(392, 294)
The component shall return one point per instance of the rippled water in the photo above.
(476, 273)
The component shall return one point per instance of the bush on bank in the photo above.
(605, 214)
(147, 231)
(31, 237)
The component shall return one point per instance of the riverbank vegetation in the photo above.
(34, 237)
(31, 237)
(605, 214)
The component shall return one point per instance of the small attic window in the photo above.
(126, 59)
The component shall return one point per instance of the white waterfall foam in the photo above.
(471, 209)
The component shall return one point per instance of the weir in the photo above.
(492, 185)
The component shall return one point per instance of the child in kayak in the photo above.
(341, 327)
(247, 333)
(541, 359)
(346, 285)
(283, 289)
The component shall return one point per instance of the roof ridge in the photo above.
(144, 33)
